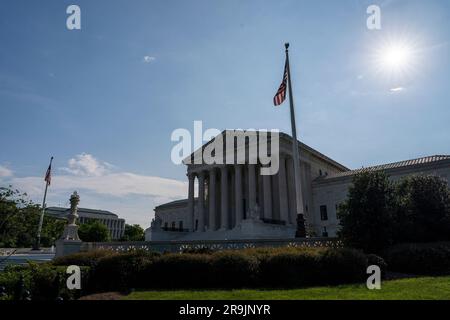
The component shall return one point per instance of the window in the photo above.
(320, 172)
(180, 225)
(196, 224)
(325, 232)
(323, 213)
(173, 225)
(166, 225)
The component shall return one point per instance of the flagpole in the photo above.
(41, 218)
(295, 150)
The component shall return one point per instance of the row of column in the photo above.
(283, 181)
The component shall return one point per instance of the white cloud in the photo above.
(398, 89)
(86, 165)
(120, 184)
(5, 172)
(148, 59)
(131, 196)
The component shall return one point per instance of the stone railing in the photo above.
(179, 246)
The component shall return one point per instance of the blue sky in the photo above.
(105, 112)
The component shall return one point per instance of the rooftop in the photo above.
(393, 165)
(281, 135)
(60, 211)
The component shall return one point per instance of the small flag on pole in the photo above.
(48, 175)
(281, 93)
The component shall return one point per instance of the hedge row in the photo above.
(420, 259)
(286, 267)
(250, 268)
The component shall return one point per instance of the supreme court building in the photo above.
(236, 201)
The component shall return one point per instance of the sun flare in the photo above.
(396, 58)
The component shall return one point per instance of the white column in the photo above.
(282, 191)
(191, 177)
(251, 188)
(201, 202)
(224, 198)
(212, 199)
(238, 193)
(267, 188)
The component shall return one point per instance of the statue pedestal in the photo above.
(65, 247)
(70, 241)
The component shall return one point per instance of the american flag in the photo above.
(281, 93)
(48, 175)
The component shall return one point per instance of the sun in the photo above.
(395, 58)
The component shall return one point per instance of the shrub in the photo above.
(420, 259)
(120, 272)
(339, 266)
(43, 281)
(89, 258)
(172, 271)
(261, 267)
(288, 269)
(10, 279)
(234, 269)
(303, 267)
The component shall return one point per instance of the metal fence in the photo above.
(180, 246)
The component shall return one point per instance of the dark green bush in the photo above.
(10, 279)
(234, 269)
(278, 267)
(420, 259)
(88, 259)
(288, 269)
(186, 270)
(304, 267)
(120, 272)
(43, 281)
(339, 266)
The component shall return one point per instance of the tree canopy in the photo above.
(379, 213)
(94, 231)
(133, 233)
(19, 219)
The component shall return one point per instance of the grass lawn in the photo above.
(436, 288)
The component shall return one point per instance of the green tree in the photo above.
(133, 233)
(19, 220)
(366, 217)
(94, 231)
(423, 209)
